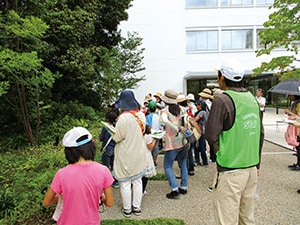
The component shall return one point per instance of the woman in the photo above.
(130, 152)
(82, 183)
(294, 111)
(174, 146)
(201, 117)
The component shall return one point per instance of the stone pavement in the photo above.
(277, 201)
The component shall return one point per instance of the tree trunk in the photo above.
(24, 113)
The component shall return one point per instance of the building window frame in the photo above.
(206, 35)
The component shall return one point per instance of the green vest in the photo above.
(239, 146)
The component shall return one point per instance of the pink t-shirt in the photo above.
(81, 186)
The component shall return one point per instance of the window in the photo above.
(200, 3)
(237, 39)
(202, 40)
(264, 2)
(258, 44)
(236, 2)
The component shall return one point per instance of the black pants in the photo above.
(298, 152)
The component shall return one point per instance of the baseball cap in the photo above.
(232, 69)
(71, 137)
(152, 105)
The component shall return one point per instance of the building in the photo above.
(186, 39)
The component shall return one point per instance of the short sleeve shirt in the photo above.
(81, 186)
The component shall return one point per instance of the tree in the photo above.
(282, 30)
(56, 55)
(125, 61)
(22, 71)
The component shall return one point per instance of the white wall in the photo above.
(160, 24)
(163, 25)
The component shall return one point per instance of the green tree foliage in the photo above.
(22, 69)
(282, 30)
(56, 54)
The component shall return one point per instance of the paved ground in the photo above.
(277, 201)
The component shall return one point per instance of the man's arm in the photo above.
(215, 121)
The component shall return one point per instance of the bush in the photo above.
(25, 176)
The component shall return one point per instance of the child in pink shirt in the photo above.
(82, 183)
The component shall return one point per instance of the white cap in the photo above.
(232, 69)
(190, 97)
(71, 137)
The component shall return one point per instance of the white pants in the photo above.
(131, 188)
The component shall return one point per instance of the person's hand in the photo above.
(292, 117)
(286, 111)
(103, 197)
(296, 124)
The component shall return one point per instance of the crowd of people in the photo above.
(228, 121)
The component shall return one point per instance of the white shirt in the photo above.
(261, 101)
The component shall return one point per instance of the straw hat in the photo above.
(206, 93)
(181, 98)
(169, 97)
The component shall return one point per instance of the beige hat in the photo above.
(181, 98)
(147, 98)
(158, 94)
(206, 93)
(217, 91)
(169, 96)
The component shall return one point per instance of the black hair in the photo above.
(86, 151)
(297, 97)
(203, 105)
(230, 83)
(111, 117)
(174, 109)
(261, 90)
(184, 103)
(148, 129)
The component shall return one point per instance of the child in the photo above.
(150, 170)
(83, 182)
(109, 144)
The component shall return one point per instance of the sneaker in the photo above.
(298, 191)
(292, 166)
(136, 211)
(144, 193)
(182, 191)
(191, 173)
(116, 184)
(126, 213)
(209, 189)
(173, 195)
(297, 167)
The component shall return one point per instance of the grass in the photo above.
(159, 176)
(157, 221)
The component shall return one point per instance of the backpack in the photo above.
(191, 130)
(291, 135)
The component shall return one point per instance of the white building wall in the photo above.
(160, 24)
(163, 26)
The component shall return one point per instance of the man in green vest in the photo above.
(235, 128)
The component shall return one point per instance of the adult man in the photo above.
(234, 126)
(261, 100)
